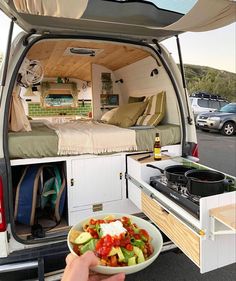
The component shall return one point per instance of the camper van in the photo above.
(85, 88)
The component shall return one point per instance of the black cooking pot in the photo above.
(205, 182)
(174, 173)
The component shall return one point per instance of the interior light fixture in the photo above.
(154, 72)
(120, 80)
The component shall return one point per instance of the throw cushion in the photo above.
(136, 99)
(127, 114)
(155, 110)
(150, 119)
(107, 115)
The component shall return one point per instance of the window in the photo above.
(214, 104)
(182, 7)
(203, 103)
(223, 103)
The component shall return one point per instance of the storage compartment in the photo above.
(40, 200)
(179, 233)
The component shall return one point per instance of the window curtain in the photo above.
(18, 120)
(54, 8)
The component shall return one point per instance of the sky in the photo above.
(213, 48)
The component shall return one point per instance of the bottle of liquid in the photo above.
(157, 148)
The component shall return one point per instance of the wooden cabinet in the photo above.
(94, 183)
(209, 240)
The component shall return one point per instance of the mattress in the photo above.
(42, 141)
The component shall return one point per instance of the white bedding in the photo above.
(81, 137)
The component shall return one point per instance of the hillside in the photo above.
(207, 79)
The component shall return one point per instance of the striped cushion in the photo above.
(155, 110)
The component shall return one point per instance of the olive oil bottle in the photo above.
(157, 148)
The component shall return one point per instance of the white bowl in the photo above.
(154, 233)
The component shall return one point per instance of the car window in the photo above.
(203, 103)
(229, 108)
(223, 103)
(214, 104)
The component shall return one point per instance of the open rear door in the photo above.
(122, 19)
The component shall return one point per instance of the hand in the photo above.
(77, 269)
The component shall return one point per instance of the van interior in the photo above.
(63, 82)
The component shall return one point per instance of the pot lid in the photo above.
(120, 18)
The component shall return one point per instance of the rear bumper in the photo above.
(19, 258)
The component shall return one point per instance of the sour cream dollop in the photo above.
(112, 228)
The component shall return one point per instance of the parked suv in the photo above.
(202, 102)
(223, 120)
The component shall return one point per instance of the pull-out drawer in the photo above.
(179, 233)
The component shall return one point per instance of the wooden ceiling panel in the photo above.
(51, 54)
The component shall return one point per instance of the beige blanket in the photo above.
(81, 137)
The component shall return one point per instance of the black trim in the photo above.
(11, 86)
(190, 120)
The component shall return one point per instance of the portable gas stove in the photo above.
(178, 193)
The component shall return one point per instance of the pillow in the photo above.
(150, 119)
(136, 99)
(127, 114)
(107, 115)
(155, 110)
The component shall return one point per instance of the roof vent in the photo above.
(74, 51)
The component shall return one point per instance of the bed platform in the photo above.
(43, 141)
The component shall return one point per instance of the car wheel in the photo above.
(228, 129)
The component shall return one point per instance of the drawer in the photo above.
(183, 237)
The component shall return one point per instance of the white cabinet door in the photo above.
(95, 180)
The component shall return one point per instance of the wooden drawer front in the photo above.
(181, 235)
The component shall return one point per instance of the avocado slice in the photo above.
(138, 252)
(83, 238)
(127, 254)
(90, 246)
(132, 261)
(120, 255)
(117, 251)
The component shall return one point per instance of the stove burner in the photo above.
(177, 192)
(193, 197)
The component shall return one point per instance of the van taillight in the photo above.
(2, 212)
(195, 150)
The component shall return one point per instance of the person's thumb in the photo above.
(117, 277)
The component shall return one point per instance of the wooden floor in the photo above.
(49, 226)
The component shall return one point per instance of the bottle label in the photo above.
(157, 153)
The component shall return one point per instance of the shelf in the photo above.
(223, 220)
(108, 106)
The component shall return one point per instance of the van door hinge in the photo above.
(26, 41)
(71, 182)
(121, 176)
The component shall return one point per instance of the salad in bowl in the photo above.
(123, 243)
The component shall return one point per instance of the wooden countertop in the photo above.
(226, 215)
(150, 158)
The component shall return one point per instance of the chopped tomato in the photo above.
(129, 247)
(144, 234)
(92, 222)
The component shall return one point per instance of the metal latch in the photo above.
(72, 182)
(97, 207)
